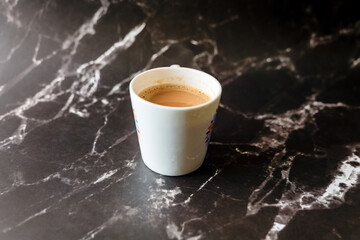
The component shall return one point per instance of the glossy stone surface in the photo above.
(284, 158)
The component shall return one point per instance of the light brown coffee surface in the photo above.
(174, 95)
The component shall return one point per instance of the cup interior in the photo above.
(177, 75)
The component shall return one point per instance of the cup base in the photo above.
(173, 173)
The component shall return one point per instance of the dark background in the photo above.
(283, 162)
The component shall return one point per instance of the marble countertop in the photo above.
(284, 158)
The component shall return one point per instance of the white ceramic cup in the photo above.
(173, 140)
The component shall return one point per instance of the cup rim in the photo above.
(217, 96)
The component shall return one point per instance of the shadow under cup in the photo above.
(173, 140)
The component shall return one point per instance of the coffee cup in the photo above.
(174, 140)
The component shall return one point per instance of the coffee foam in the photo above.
(153, 91)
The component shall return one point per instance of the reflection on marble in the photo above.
(283, 161)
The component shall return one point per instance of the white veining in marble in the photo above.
(202, 186)
(161, 198)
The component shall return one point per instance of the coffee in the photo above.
(174, 95)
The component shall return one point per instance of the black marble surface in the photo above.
(284, 159)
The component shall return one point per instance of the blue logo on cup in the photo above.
(210, 130)
(136, 124)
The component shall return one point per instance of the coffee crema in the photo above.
(174, 95)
